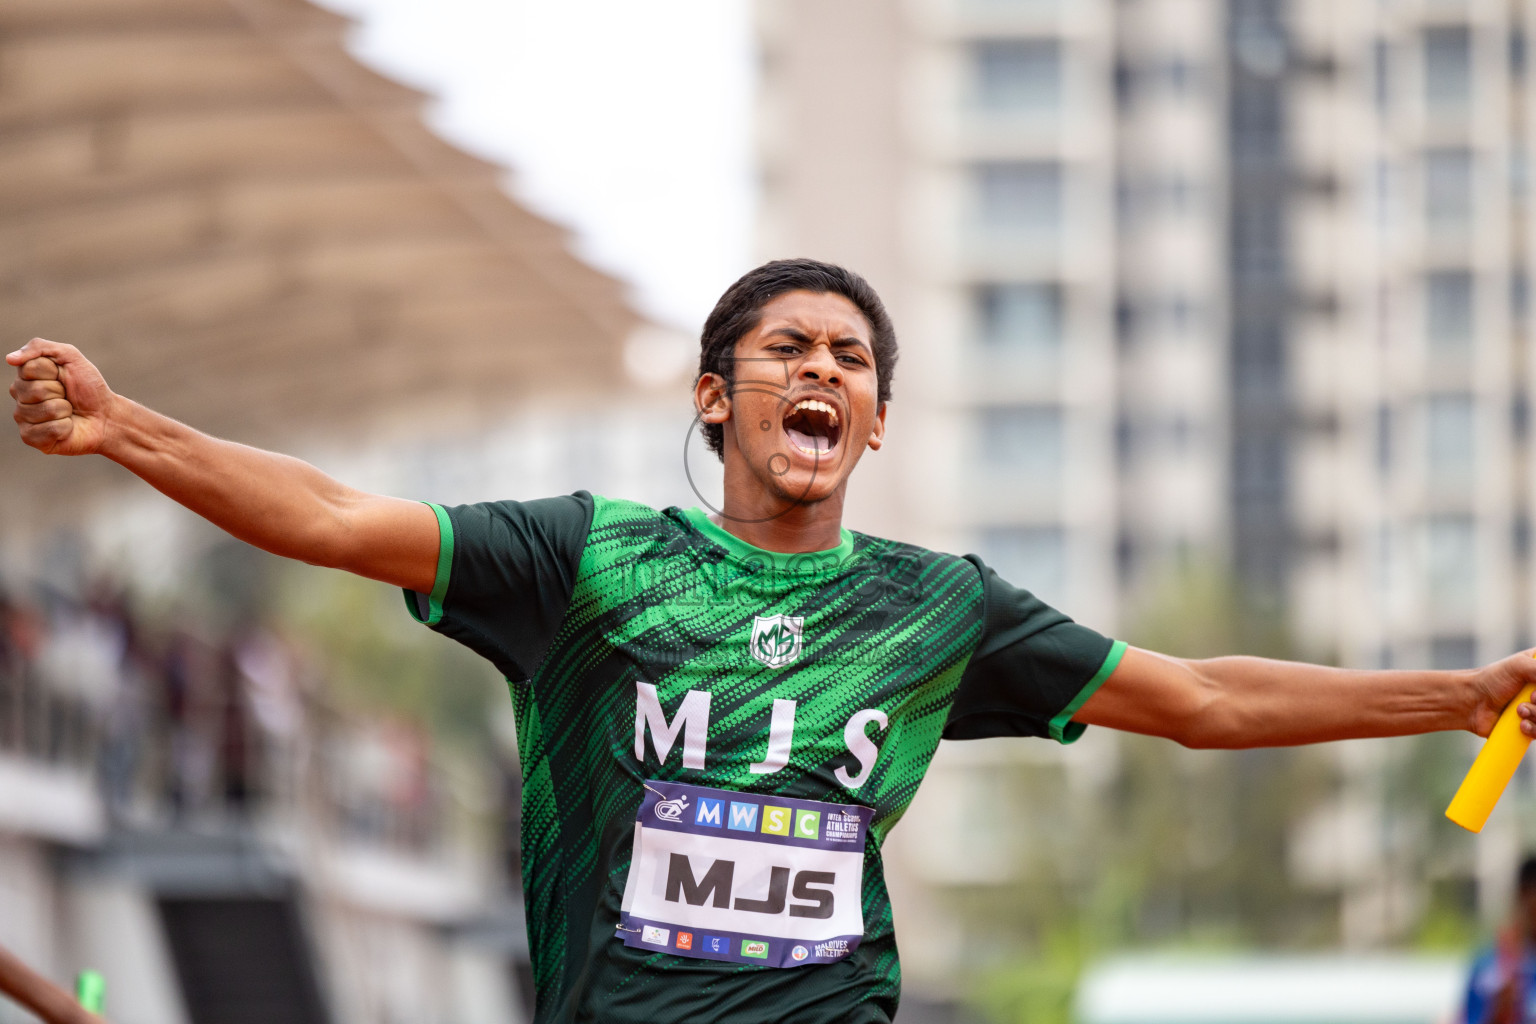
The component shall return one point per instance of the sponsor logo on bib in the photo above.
(672, 810)
(655, 936)
(776, 639)
(799, 952)
(754, 948)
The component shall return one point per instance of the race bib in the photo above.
(753, 879)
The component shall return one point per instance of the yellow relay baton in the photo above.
(1494, 767)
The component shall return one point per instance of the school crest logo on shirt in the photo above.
(775, 639)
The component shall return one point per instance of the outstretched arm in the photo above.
(277, 503)
(1258, 702)
(35, 992)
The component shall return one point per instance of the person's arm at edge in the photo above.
(1240, 702)
(39, 995)
(275, 502)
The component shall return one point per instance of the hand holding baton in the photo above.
(1494, 767)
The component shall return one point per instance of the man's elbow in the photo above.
(1203, 719)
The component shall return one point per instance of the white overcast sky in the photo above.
(627, 121)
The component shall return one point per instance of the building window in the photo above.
(1385, 197)
(1453, 652)
(1017, 76)
(1019, 198)
(1033, 558)
(1448, 305)
(1447, 68)
(1449, 440)
(1023, 444)
(1381, 66)
(1384, 426)
(1448, 189)
(1450, 558)
(1020, 317)
(1385, 551)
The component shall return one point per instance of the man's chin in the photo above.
(798, 487)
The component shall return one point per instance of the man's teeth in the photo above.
(811, 403)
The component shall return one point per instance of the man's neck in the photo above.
(774, 525)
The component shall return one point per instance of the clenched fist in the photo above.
(62, 402)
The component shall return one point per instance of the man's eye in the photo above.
(854, 360)
(788, 350)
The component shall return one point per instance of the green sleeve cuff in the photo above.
(444, 567)
(1063, 729)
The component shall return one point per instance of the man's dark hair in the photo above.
(740, 310)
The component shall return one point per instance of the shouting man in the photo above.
(721, 717)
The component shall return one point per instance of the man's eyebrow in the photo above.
(796, 334)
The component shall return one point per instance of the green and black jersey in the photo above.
(716, 740)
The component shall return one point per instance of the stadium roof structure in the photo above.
(248, 229)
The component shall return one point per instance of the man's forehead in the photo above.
(815, 313)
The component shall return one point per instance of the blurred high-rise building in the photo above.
(1039, 192)
(1232, 287)
(1409, 232)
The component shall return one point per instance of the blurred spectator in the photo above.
(190, 752)
(21, 637)
(178, 727)
(1502, 986)
(127, 717)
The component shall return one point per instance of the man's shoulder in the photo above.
(923, 574)
(867, 545)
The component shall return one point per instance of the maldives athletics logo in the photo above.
(775, 639)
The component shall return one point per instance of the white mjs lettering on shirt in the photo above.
(691, 721)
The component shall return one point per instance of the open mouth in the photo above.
(812, 426)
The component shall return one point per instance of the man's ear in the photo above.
(877, 435)
(712, 398)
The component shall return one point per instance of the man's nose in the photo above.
(820, 365)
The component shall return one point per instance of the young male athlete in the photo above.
(721, 717)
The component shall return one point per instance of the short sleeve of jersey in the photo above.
(505, 574)
(1032, 670)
